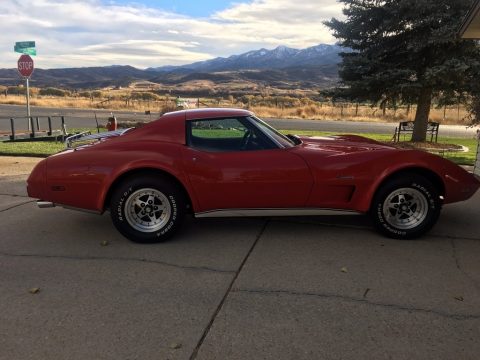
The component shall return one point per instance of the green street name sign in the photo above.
(25, 47)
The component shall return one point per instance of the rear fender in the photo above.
(143, 167)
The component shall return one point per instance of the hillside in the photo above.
(283, 68)
(278, 58)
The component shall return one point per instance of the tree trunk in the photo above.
(422, 114)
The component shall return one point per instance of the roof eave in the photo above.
(473, 18)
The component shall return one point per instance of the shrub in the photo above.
(53, 92)
(17, 90)
(144, 95)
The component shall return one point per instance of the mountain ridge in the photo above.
(282, 67)
(278, 58)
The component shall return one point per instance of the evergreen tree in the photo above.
(406, 51)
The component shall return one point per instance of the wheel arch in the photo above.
(142, 172)
(430, 175)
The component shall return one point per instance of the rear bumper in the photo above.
(37, 181)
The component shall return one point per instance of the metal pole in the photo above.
(12, 125)
(96, 121)
(49, 126)
(32, 134)
(28, 98)
(64, 129)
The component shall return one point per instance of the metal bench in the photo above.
(35, 131)
(406, 127)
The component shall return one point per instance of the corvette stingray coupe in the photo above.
(228, 162)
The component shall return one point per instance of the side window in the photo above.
(222, 135)
(218, 129)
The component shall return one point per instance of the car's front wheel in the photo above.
(406, 207)
(147, 209)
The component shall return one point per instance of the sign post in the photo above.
(25, 66)
(25, 69)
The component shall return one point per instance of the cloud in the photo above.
(73, 33)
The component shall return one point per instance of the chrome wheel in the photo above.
(405, 208)
(147, 210)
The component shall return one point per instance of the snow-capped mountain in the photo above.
(278, 58)
(281, 67)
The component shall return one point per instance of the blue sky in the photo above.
(185, 7)
(148, 33)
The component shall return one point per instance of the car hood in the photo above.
(343, 143)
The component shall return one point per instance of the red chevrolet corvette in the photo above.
(227, 162)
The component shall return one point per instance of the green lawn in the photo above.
(31, 148)
(46, 148)
(36, 148)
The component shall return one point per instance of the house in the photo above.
(471, 25)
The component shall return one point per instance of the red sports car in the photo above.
(227, 162)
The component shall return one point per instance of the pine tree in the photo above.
(405, 51)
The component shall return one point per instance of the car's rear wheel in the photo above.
(147, 209)
(406, 207)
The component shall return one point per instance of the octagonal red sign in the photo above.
(25, 66)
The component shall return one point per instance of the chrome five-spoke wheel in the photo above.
(406, 206)
(147, 210)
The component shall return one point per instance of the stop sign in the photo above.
(25, 66)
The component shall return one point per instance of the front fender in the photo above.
(404, 161)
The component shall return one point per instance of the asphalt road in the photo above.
(77, 118)
(235, 289)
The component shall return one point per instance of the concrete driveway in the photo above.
(284, 288)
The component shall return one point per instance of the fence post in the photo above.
(12, 125)
(64, 128)
(38, 123)
(49, 126)
(32, 127)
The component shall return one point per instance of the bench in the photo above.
(406, 127)
(34, 129)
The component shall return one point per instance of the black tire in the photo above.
(406, 207)
(147, 208)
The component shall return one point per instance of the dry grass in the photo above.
(117, 100)
(84, 103)
(363, 113)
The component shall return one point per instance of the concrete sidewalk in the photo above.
(283, 288)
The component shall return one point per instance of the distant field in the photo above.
(269, 106)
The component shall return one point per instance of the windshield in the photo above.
(272, 133)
